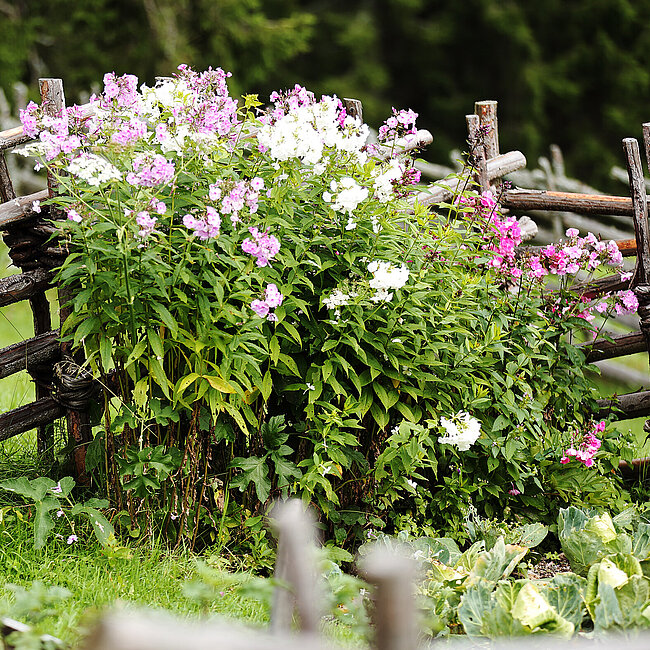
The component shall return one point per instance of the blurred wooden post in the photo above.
(78, 423)
(295, 567)
(394, 613)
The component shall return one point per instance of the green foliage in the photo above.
(48, 497)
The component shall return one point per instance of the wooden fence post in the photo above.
(394, 614)
(295, 570)
(78, 423)
(477, 152)
(640, 206)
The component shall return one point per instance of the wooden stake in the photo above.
(477, 152)
(487, 114)
(394, 613)
(53, 102)
(295, 566)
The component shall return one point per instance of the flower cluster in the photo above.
(563, 260)
(231, 197)
(399, 124)
(393, 179)
(350, 194)
(587, 446)
(272, 299)
(300, 127)
(94, 170)
(262, 246)
(150, 171)
(206, 226)
(462, 430)
(385, 276)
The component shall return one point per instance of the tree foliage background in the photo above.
(576, 74)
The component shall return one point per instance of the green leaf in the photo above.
(267, 386)
(475, 605)
(220, 384)
(254, 470)
(43, 521)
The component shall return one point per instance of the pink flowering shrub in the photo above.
(279, 317)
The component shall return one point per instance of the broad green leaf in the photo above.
(254, 470)
(219, 384)
(43, 521)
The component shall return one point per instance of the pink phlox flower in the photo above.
(146, 223)
(273, 297)
(572, 232)
(488, 200)
(206, 227)
(29, 120)
(73, 215)
(260, 307)
(150, 170)
(72, 539)
(262, 246)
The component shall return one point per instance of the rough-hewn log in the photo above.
(640, 208)
(593, 288)
(20, 209)
(23, 286)
(52, 104)
(7, 192)
(31, 416)
(487, 114)
(567, 202)
(41, 349)
(619, 346)
(626, 407)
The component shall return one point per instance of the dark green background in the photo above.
(573, 73)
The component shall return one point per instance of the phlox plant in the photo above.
(272, 312)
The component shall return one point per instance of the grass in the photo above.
(144, 577)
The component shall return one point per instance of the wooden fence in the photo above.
(33, 248)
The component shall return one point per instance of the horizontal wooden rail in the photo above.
(24, 285)
(30, 416)
(20, 208)
(15, 136)
(619, 346)
(593, 288)
(41, 349)
(567, 202)
(498, 166)
(625, 407)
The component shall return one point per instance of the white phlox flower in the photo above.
(462, 430)
(385, 276)
(93, 169)
(305, 131)
(349, 196)
(384, 181)
(336, 299)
